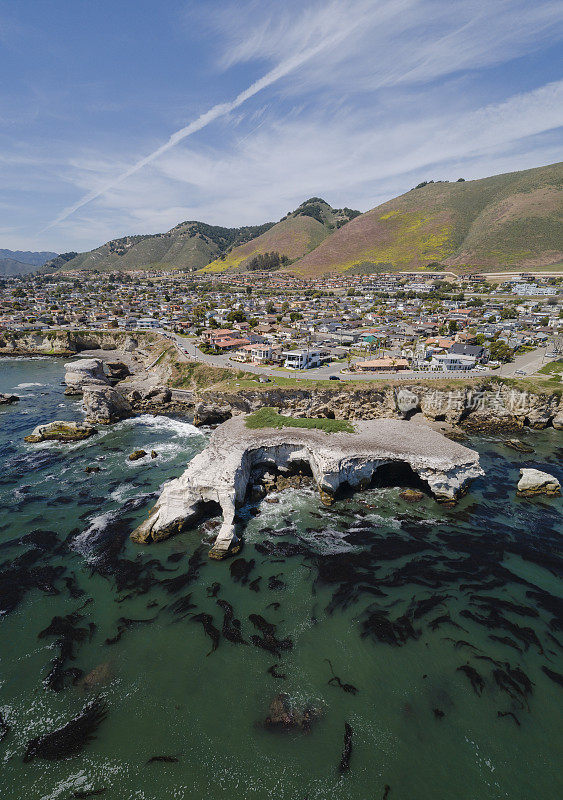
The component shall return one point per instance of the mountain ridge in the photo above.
(22, 262)
(512, 220)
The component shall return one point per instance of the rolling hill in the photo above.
(506, 221)
(298, 233)
(22, 262)
(511, 221)
(189, 246)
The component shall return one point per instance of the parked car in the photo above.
(333, 378)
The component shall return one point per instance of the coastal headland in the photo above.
(238, 458)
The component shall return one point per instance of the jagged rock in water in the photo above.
(137, 454)
(61, 431)
(222, 472)
(105, 405)
(411, 495)
(283, 715)
(533, 482)
(516, 444)
(7, 399)
(87, 371)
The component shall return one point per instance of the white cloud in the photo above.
(350, 162)
(358, 95)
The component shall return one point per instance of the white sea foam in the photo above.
(124, 492)
(159, 424)
(98, 524)
(28, 385)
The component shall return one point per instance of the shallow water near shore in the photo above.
(373, 584)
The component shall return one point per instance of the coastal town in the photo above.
(395, 324)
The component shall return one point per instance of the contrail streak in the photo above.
(219, 110)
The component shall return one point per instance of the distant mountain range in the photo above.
(21, 262)
(506, 221)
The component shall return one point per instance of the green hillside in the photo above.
(296, 234)
(508, 221)
(187, 246)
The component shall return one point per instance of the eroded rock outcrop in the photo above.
(481, 406)
(104, 405)
(533, 482)
(87, 371)
(8, 399)
(222, 473)
(117, 371)
(211, 414)
(61, 431)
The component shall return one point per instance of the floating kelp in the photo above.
(275, 673)
(182, 606)
(477, 681)
(556, 677)
(4, 728)
(240, 569)
(163, 760)
(124, 624)
(207, 623)
(268, 641)
(68, 635)
(344, 765)
(275, 583)
(71, 738)
(335, 681)
(231, 629)
(510, 714)
(380, 628)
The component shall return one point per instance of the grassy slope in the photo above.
(270, 418)
(507, 221)
(292, 237)
(169, 250)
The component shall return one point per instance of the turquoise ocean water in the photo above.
(398, 598)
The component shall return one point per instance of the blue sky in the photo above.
(131, 116)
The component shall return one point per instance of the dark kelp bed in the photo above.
(372, 650)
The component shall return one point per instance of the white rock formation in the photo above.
(104, 405)
(221, 473)
(86, 371)
(534, 481)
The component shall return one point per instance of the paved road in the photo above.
(529, 363)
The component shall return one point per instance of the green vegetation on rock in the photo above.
(267, 417)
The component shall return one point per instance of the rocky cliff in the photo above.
(65, 343)
(490, 405)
